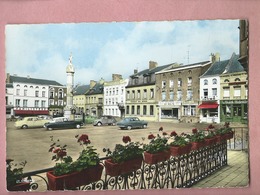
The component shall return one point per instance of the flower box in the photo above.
(157, 157)
(180, 150)
(220, 138)
(197, 145)
(75, 179)
(115, 169)
(229, 135)
(210, 141)
(23, 186)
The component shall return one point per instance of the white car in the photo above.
(29, 122)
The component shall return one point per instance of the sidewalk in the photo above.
(235, 174)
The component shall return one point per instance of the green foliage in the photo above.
(199, 136)
(181, 140)
(14, 175)
(157, 144)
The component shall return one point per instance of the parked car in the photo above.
(29, 122)
(132, 122)
(105, 120)
(63, 123)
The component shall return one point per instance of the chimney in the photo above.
(135, 71)
(116, 77)
(214, 57)
(152, 65)
(101, 81)
(92, 83)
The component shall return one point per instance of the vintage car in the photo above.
(105, 120)
(131, 123)
(62, 123)
(30, 122)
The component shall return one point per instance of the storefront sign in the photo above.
(170, 103)
(234, 101)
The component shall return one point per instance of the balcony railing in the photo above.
(177, 172)
(240, 139)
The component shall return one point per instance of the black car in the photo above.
(63, 123)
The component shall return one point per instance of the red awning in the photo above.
(208, 105)
(32, 112)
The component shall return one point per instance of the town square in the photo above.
(77, 113)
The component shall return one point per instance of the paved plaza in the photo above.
(32, 145)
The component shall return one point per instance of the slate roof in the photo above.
(18, 79)
(97, 89)
(151, 71)
(81, 89)
(224, 67)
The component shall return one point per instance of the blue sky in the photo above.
(101, 49)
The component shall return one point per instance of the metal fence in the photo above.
(240, 139)
(176, 172)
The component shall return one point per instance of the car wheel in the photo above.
(78, 126)
(129, 127)
(49, 128)
(144, 126)
(99, 124)
(122, 128)
(25, 127)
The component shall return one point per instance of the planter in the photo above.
(75, 179)
(220, 138)
(210, 141)
(229, 135)
(197, 145)
(157, 157)
(115, 169)
(180, 150)
(24, 186)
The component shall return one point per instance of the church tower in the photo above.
(69, 111)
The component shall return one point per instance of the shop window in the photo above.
(166, 114)
(213, 112)
(204, 113)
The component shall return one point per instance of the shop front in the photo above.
(169, 110)
(234, 110)
(209, 112)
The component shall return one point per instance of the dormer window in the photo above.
(205, 82)
(214, 81)
(237, 80)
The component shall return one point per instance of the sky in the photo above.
(102, 49)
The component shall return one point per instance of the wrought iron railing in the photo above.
(240, 139)
(177, 172)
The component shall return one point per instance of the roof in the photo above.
(225, 67)
(81, 89)
(151, 71)
(97, 89)
(18, 79)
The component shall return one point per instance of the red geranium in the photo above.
(151, 136)
(173, 133)
(195, 130)
(83, 138)
(161, 129)
(126, 139)
(164, 133)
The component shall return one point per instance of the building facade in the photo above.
(141, 93)
(95, 99)
(79, 98)
(178, 92)
(57, 99)
(114, 96)
(30, 96)
(211, 91)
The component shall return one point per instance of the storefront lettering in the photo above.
(234, 102)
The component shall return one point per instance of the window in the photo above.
(133, 109)
(186, 110)
(189, 81)
(133, 94)
(44, 104)
(128, 95)
(51, 102)
(145, 94)
(226, 80)
(205, 93)
(60, 94)
(237, 79)
(163, 96)
(226, 92)
(205, 82)
(25, 92)
(144, 110)
(17, 91)
(43, 94)
(127, 109)
(214, 81)
(36, 103)
(214, 92)
(138, 110)
(246, 94)
(171, 95)
(189, 110)
(36, 93)
(151, 93)
(171, 83)
(189, 94)
(151, 110)
(193, 110)
(163, 84)
(138, 94)
(17, 102)
(25, 103)
(237, 91)
(179, 82)
(179, 95)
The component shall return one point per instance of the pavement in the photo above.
(235, 174)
